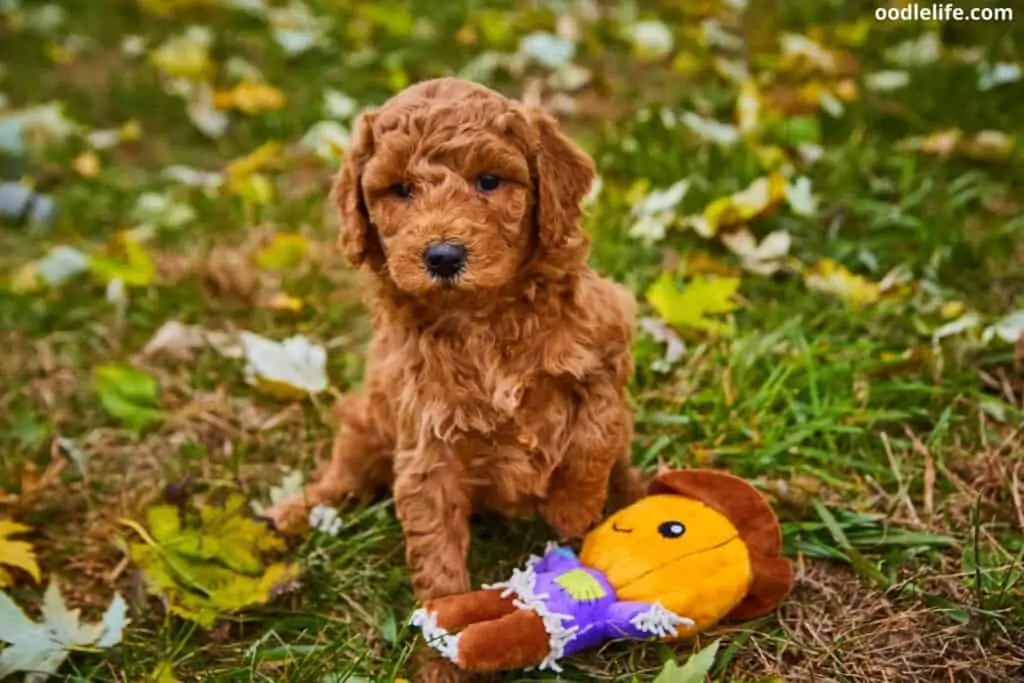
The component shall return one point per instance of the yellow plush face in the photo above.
(675, 551)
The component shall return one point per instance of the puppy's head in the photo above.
(450, 186)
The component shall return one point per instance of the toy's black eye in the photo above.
(488, 182)
(671, 529)
(403, 190)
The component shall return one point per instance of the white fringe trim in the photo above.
(659, 621)
(522, 584)
(436, 637)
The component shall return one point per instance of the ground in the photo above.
(862, 366)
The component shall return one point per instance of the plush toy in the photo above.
(701, 546)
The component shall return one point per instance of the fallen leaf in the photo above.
(61, 264)
(993, 75)
(292, 368)
(290, 485)
(129, 262)
(887, 81)
(250, 98)
(695, 670)
(34, 128)
(75, 453)
(650, 39)
(161, 210)
(202, 112)
(265, 156)
(832, 278)
(1009, 328)
(748, 107)
(653, 213)
(186, 56)
(286, 250)
(764, 258)
(758, 199)
(296, 29)
(163, 673)
(692, 306)
(41, 647)
(207, 562)
(547, 49)
(674, 346)
(175, 339)
(965, 322)
(338, 105)
(800, 198)
(130, 395)
(18, 554)
(328, 140)
(710, 130)
(921, 51)
(87, 164)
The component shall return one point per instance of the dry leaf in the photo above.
(17, 554)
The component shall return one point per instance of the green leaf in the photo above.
(208, 562)
(127, 394)
(797, 130)
(694, 671)
(692, 306)
(136, 269)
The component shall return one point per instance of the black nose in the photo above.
(445, 259)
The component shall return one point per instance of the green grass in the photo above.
(894, 463)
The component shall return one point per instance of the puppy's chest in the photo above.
(478, 391)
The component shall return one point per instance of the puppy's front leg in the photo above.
(578, 488)
(433, 508)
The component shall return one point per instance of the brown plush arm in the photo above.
(455, 612)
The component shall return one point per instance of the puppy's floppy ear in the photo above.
(355, 238)
(564, 174)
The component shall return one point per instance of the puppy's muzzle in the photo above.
(444, 260)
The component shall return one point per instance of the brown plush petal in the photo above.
(750, 513)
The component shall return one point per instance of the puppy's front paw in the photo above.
(569, 517)
(290, 516)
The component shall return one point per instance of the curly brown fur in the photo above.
(503, 385)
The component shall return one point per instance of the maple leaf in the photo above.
(16, 553)
(41, 647)
(209, 561)
(691, 307)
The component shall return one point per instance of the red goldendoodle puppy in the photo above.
(497, 371)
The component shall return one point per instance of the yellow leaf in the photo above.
(832, 278)
(250, 97)
(286, 250)
(267, 154)
(687, 63)
(255, 189)
(951, 309)
(25, 279)
(284, 302)
(130, 263)
(748, 107)
(163, 673)
(17, 554)
(694, 304)
(131, 131)
(185, 56)
(87, 164)
(758, 199)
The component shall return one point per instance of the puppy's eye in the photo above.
(671, 529)
(488, 182)
(403, 190)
